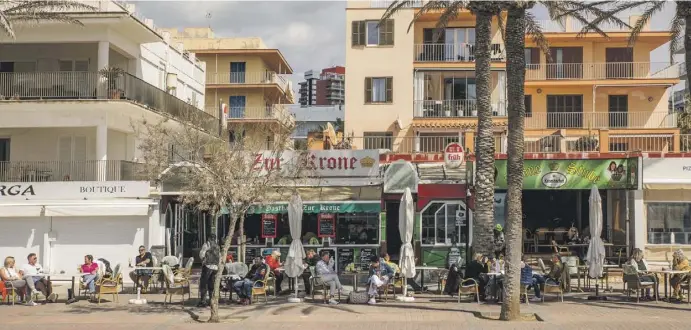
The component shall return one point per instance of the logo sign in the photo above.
(454, 155)
(554, 180)
(73, 190)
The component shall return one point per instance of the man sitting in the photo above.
(379, 274)
(475, 270)
(34, 281)
(243, 287)
(327, 274)
(553, 278)
(310, 261)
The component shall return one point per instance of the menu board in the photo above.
(345, 257)
(326, 225)
(365, 255)
(332, 254)
(269, 222)
(250, 254)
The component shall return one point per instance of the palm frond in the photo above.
(48, 6)
(428, 7)
(394, 8)
(452, 11)
(6, 25)
(534, 31)
(653, 8)
(677, 35)
(55, 11)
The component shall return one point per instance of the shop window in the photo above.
(253, 230)
(669, 223)
(439, 223)
(357, 228)
(309, 230)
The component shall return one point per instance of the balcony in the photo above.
(249, 114)
(601, 71)
(461, 52)
(93, 86)
(597, 120)
(246, 78)
(453, 108)
(87, 170)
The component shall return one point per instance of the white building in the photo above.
(61, 120)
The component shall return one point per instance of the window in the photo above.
(235, 136)
(379, 90)
(564, 111)
(532, 58)
(669, 223)
(618, 110)
(441, 223)
(378, 140)
(73, 65)
(528, 100)
(237, 72)
(368, 33)
(237, 106)
(357, 228)
(4, 150)
(309, 229)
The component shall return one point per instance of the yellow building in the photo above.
(411, 93)
(245, 80)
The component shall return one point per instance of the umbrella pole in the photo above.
(295, 299)
(597, 295)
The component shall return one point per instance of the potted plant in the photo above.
(546, 144)
(111, 75)
(586, 143)
(447, 110)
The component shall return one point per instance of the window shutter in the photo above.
(386, 32)
(358, 33)
(368, 90)
(390, 30)
(389, 90)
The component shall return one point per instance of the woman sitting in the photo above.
(91, 269)
(679, 262)
(477, 271)
(13, 279)
(641, 266)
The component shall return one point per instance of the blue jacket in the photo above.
(384, 270)
(526, 275)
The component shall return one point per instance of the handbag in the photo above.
(358, 298)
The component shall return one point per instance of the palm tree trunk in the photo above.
(515, 69)
(483, 221)
(215, 318)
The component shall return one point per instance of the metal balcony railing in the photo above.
(405, 145)
(276, 111)
(55, 170)
(601, 71)
(460, 52)
(93, 85)
(454, 108)
(248, 78)
(597, 120)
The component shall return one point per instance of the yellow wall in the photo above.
(221, 63)
(465, 21)
(594, 50)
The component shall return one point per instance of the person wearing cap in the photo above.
(274, 262)
(210, 255)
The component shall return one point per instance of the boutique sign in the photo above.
(73, 190)
(545, 174)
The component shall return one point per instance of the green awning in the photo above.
(327, 207)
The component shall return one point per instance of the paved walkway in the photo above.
(428, 312)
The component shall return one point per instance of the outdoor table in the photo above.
(137, 274)
(605, 274)
(355, 275)
(422, 270)
(667, 274)
(232, 278)
(493, 276)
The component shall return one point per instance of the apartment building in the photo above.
(326, 88)
(68, 144)
(245, 80)
(594, 106)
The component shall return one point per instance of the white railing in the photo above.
(453, 108)
(460, 52)
(597, 120)
(641, 142)
(229, 78)
(274, 112)
(405, 145)
(597, 71)
(55, 170)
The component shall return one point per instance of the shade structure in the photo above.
(294, 265)
(406, 216)
(596, 248)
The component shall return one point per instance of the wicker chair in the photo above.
(7, 293)
(260, 287)
(175, 286)
(109, 285)
(469, 287)
(396, 282)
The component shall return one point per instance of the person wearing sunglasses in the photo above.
(143, 259)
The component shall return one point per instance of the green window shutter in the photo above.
(368, 90)
(388, 34)
(356, 33)
(389, 90)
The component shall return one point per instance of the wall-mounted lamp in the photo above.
(650, 99)
(539, 90)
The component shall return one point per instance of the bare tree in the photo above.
(219, 174)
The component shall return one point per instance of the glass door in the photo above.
(460, 44)
(237, 72)
(237, 106)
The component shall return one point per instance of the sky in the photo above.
(310, 34)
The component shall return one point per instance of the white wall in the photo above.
(21, 236)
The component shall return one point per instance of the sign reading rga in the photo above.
(73, 190)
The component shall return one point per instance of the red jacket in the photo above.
(273, 263)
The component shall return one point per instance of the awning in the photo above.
(75, 208)
(667, 184)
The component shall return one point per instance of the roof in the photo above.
(454, 123)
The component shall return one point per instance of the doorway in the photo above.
(4, 150)
(393, 235)
(619, 62)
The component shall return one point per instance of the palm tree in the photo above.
(484, 11)
(25, 11)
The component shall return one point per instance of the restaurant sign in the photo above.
(316, 208)
(560, 174)
(321, 163)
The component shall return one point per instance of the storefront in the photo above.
(667, 206)
(556, 194)
(64, 221)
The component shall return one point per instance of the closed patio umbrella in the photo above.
(406, 214)
(294, 265)
(596, 249)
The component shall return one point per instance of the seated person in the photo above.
(552, 278)
(679, 262)
(274, 262)
(527, 277)
(379, 275)
(91, 268)
(327, 274)
(13, 279)
(310, 261)
(243, 287)
(638, 263)
(495, 283)
(397, 270)
(475, 270)
(141, 277)
(34, 282)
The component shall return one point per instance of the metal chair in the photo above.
(469, 287)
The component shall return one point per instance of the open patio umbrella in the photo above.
(406, 216)
(596, 249)
(294, 265)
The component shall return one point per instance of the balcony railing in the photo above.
(454, 108)
(596, 120)
(460, 52)
(601, 71)
(275, 112)
(245, 78)
(406, 145)
(93, 85)
(87, 170)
